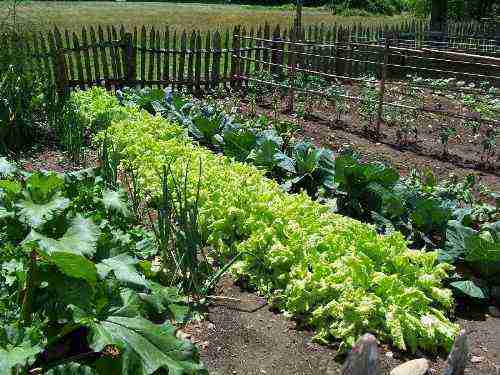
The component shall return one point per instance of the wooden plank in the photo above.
(78, 59)
(216, 60)
(197, 69)
(175, 56)
(208, 52)
(258, 53)
(327, 51)
(248, 66)
(70, 64)
(151, 54)
(129, 65)
(143, 55)
(158, 56)
(235, 47)
(104, 58)
(95, 54)
(112, 55)
(135, 43)
(86, 57)
(60, 72)
(166, 59)
(243, 45)
(190, 65)
(457, 55)
(52, 51)
(226, 55)
(118, 57)
(265, 54)
(182, 58)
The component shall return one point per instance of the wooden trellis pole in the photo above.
(383, 76)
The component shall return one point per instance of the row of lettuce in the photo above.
(335, 272)
(437, 216)
(79, 289)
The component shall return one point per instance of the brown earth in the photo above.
(244, 336)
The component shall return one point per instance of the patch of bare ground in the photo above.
(243, 335)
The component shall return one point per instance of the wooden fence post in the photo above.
(60, 73)
(277, 53)
(383, 76)
(129, 61)
(235, 60)
(363, 358)
(216, 45)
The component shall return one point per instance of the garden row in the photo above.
(437, 216)
(338, 273)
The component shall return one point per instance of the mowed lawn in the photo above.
(188, 16)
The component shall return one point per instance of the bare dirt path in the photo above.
(246, 337)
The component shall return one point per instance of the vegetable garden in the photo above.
(190, 180)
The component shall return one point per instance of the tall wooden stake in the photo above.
(382, 85)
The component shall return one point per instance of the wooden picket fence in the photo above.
(114, 56)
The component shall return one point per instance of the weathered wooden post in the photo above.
(216, 45)
(383, 76)
(340, 63)
(439, 22)
(277, 53)
(130, 60)
(497, 31)
(236, 59)
(455, 364)
(60, 73)
(292, 57)
(363, 358)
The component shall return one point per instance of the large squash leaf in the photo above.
(74, 265)
(80, 238)
(42, 187)
(7, 169)
(18, 355)
(123, 266)
(113, 200)
(35, 214)
(144, 347)
(469, 289)
(71, 369)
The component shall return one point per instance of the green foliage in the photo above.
(337, 273)
(76, 298)
(418, 207)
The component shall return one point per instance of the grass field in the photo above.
(189, 16)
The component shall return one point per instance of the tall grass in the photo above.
(181, 16)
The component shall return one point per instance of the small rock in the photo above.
(494, 311)
(415, 367)
(476, 359)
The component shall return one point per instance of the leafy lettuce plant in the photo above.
(340, 275)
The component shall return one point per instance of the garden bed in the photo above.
(339, 136)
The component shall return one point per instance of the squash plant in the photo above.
(74, 295)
